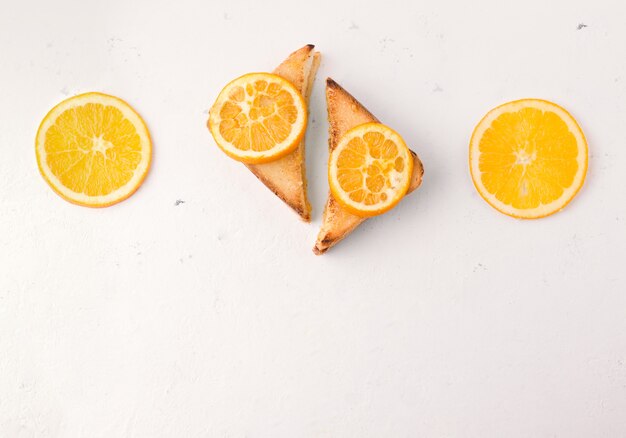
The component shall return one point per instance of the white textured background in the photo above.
(213, 318)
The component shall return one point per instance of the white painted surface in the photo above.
(213, 318)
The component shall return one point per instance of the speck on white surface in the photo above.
(212, 318)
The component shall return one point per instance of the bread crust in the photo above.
(286, 177)
(344, 113)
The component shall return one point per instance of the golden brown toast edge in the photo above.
(286, 177)
(344, 113)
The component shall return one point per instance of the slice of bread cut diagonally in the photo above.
(286, 177)
(344, 113)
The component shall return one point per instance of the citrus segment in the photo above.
(369, 170)
(528, 158)
(93, 149)
(258, 118)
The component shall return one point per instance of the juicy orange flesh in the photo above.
(92, 149)
(368, 167)
(527, 158)
(267, 121)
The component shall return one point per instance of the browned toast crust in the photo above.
(344, 113)
(286, 177)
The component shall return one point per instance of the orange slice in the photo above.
(258, 118)
(369, 171)
(528, 158)
(93, 149)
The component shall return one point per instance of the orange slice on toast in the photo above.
(369, 171)
(258, 118)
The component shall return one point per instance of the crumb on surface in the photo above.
(480, 266)
(384, 42)
(113, 42)
(178, 202)
(581, 26)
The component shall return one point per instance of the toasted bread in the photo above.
(286, 177)
(344, 113)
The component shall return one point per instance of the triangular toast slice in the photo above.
(344, 113)
(286, 177)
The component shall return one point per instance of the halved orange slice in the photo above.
(258, 118)
(369, 171)
(93, 149)
(528, 158)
